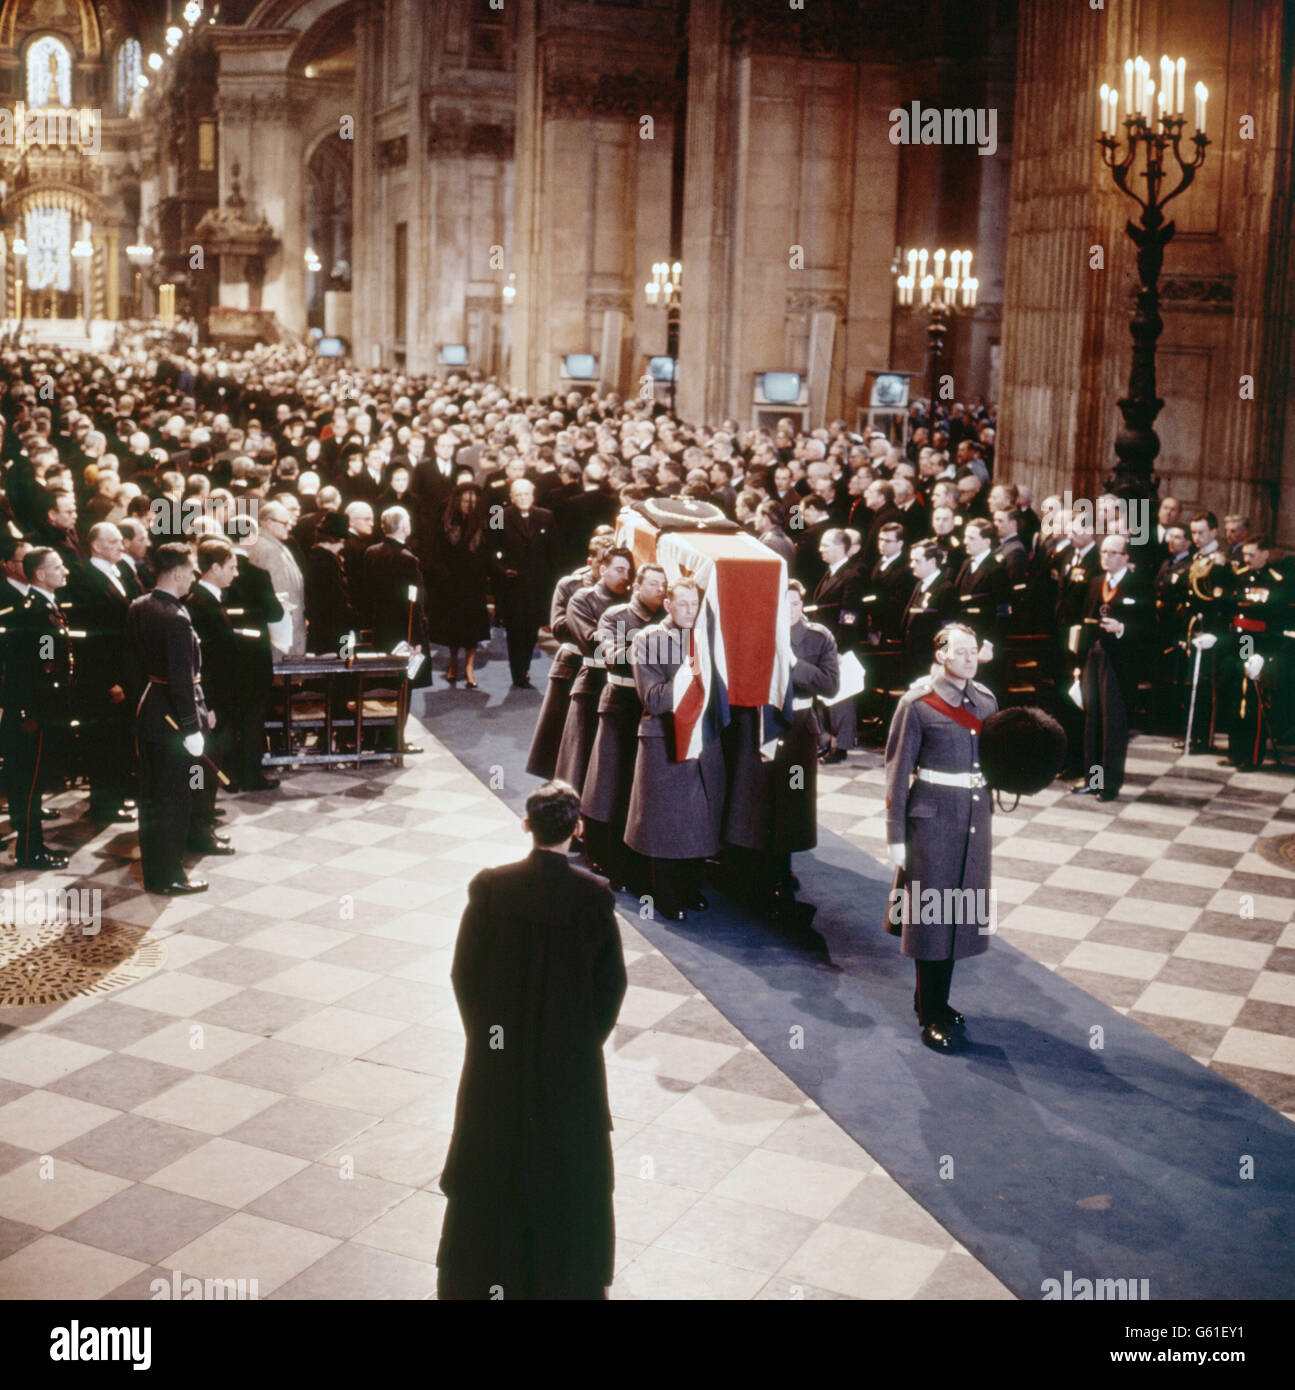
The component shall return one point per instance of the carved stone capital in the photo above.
(624, 95)
(394, 153)
(1197, 294)
(806, 301)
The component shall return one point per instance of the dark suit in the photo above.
(37, 700)
(925, 613)
(252, 604)
(1111, 665)
(391, 570)
(330, 609)
(215, 629)
(539, 976)
(98, 607)
(526, 560)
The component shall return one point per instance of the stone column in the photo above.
(366, 245)
(703, 353)
(527, 227)
(112, 237)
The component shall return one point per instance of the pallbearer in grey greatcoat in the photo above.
(610, 775)
(584, 608)
(772, 806)
(543, 755)
(938, 828)
(676, 804)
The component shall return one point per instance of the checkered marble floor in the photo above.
(1157, 903)
(275, 1102)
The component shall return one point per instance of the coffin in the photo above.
(743, 585)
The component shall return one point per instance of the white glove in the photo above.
(193, 745)
(1254, 666)
(898, 855)
(1203, 641)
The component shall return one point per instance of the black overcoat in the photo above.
(773, 806)
(539, 976)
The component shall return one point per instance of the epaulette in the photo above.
(817, 627)
(923, 684)
(984, 689)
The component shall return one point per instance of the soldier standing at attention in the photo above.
(938, 812)
(37, 704)
(163, 654)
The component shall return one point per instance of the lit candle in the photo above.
(1182, 72)
(966, 264)
(939, 265)
(1113, 111)
(1102, 102)
(1160, 102)
(1150, 99)
(1128, 86)
(921, 261)
(1202, 94)
(1166, 83)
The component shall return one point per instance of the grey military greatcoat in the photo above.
(584, 608)
(946, 830)
(610, 774)
(543, 756)
(675, 806)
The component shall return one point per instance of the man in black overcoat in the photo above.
(217, 570)
(252, 605)
(526, 560)
(539, 975)
(392, 573)
(1114, 629)
(99, 602)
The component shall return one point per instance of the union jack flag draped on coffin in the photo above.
(741, 643)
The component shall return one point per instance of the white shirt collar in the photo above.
(1208, 549)
(109, 569)
(832, 569)
(978, 560)
(1079, 554)
(44, 593)
(23, 588)
(930, 579)
(212, 590)
(886, 561)
(130, 560)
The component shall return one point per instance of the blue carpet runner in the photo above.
(1039, 1152)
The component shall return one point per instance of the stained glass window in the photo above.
(130, 66)
(49, 248)
(49, 73)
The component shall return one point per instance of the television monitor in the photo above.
(331, 347)
(781, 388)
(580, 366)
(454, 355)
(889, 391)
(661, 368)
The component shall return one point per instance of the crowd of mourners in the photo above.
(330, 508)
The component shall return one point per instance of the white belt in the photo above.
(595, 661)
(614, 679)
(568, 649)
(951, 779)
(802, 701)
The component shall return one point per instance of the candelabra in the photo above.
(666, 287)
(941, 296)
(1154, 125)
